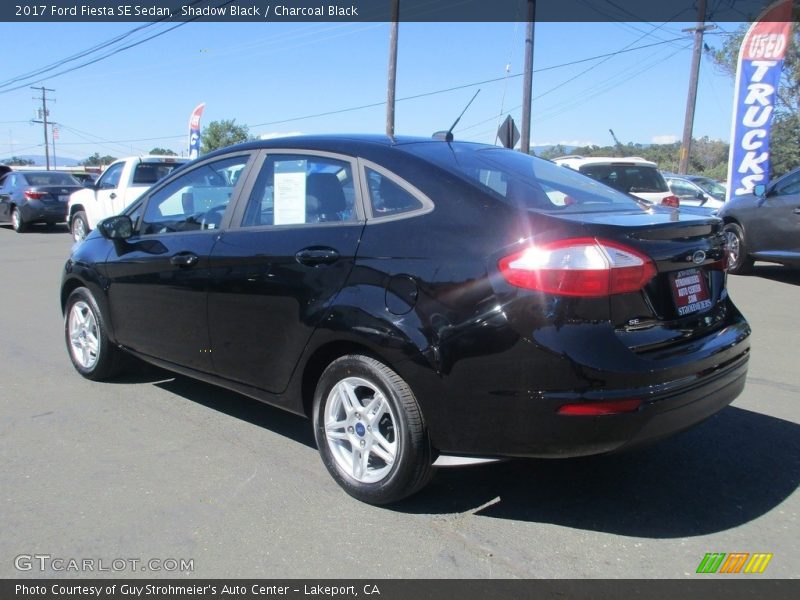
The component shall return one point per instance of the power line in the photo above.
(114, 52)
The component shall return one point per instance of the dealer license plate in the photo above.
(690, 291)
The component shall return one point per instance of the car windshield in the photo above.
(523, 180)
(50, 179)
(630, 178)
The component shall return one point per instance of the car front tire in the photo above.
(79, 226)
(370, 431)
(91, 352)
(739, 262)
(17, 222)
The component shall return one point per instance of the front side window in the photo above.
(110, 179)
(301, 189)
(789, 185)
(194, 201)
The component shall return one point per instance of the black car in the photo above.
(416, 298)
(28, 197)
(764, 225)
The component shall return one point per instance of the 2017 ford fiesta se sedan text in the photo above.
(416, 298)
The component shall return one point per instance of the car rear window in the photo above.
(629, 178)
(149, 173)
(50, 179)
(523, 180)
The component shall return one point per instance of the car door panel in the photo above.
(271, 285)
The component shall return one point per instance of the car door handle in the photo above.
(184, 259)
(316, 256)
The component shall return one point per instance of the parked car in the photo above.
(120, 184)
(709, 185)
(764, 225)
(632, 175)
(28, 197)
(416, 298)
(691, 194)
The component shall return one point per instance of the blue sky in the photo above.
(263, 74)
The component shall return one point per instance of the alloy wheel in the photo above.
(83, 335)
(360, 428)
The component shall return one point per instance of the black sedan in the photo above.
(764, 225)
(28, 197)
(416, 298)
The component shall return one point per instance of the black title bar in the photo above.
(372, 10)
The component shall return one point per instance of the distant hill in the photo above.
(40, 161)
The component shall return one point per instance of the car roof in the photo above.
(365, 145)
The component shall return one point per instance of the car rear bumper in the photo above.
(533, 432)
(510, 406)
(36, 211)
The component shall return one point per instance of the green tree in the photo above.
(16, 161)
(162, 152)
(784, 138)
(553, 152)
(219, 134)
(95, 160)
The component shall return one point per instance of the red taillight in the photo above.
(600, 408)
(585, 267)
(31, 195)
(671, 201)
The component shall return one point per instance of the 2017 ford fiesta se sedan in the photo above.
(416, 298)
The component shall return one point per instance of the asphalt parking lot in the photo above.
(161, 467)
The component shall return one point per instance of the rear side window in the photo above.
(387, 198)
(301, 189)
(631, 179)
(149, 173)
(525, 181)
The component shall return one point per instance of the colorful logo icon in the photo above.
(734, 562)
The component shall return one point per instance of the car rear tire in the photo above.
(739, 262)
(91, 352)
(17, 222)
(370, 431)
(79, 226)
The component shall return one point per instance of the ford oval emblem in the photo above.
(698, 257)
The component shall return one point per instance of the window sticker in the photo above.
(290, 192)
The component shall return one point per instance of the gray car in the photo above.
(28, 197)
(764, 225)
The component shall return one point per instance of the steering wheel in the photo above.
(212, 219)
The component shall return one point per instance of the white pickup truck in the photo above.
(119, 185)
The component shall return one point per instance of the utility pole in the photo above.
(44, 91)
(527, 84)
(390, 93)
(691, 100)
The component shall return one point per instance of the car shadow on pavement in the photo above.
(241, 407)
(40, 228)
(777, 273)
(719, 475)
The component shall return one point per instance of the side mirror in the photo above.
(89, 184)
(760, 190)
(119, 227)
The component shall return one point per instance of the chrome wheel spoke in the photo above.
(83, 335)
(383, 449)
(376, 408)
